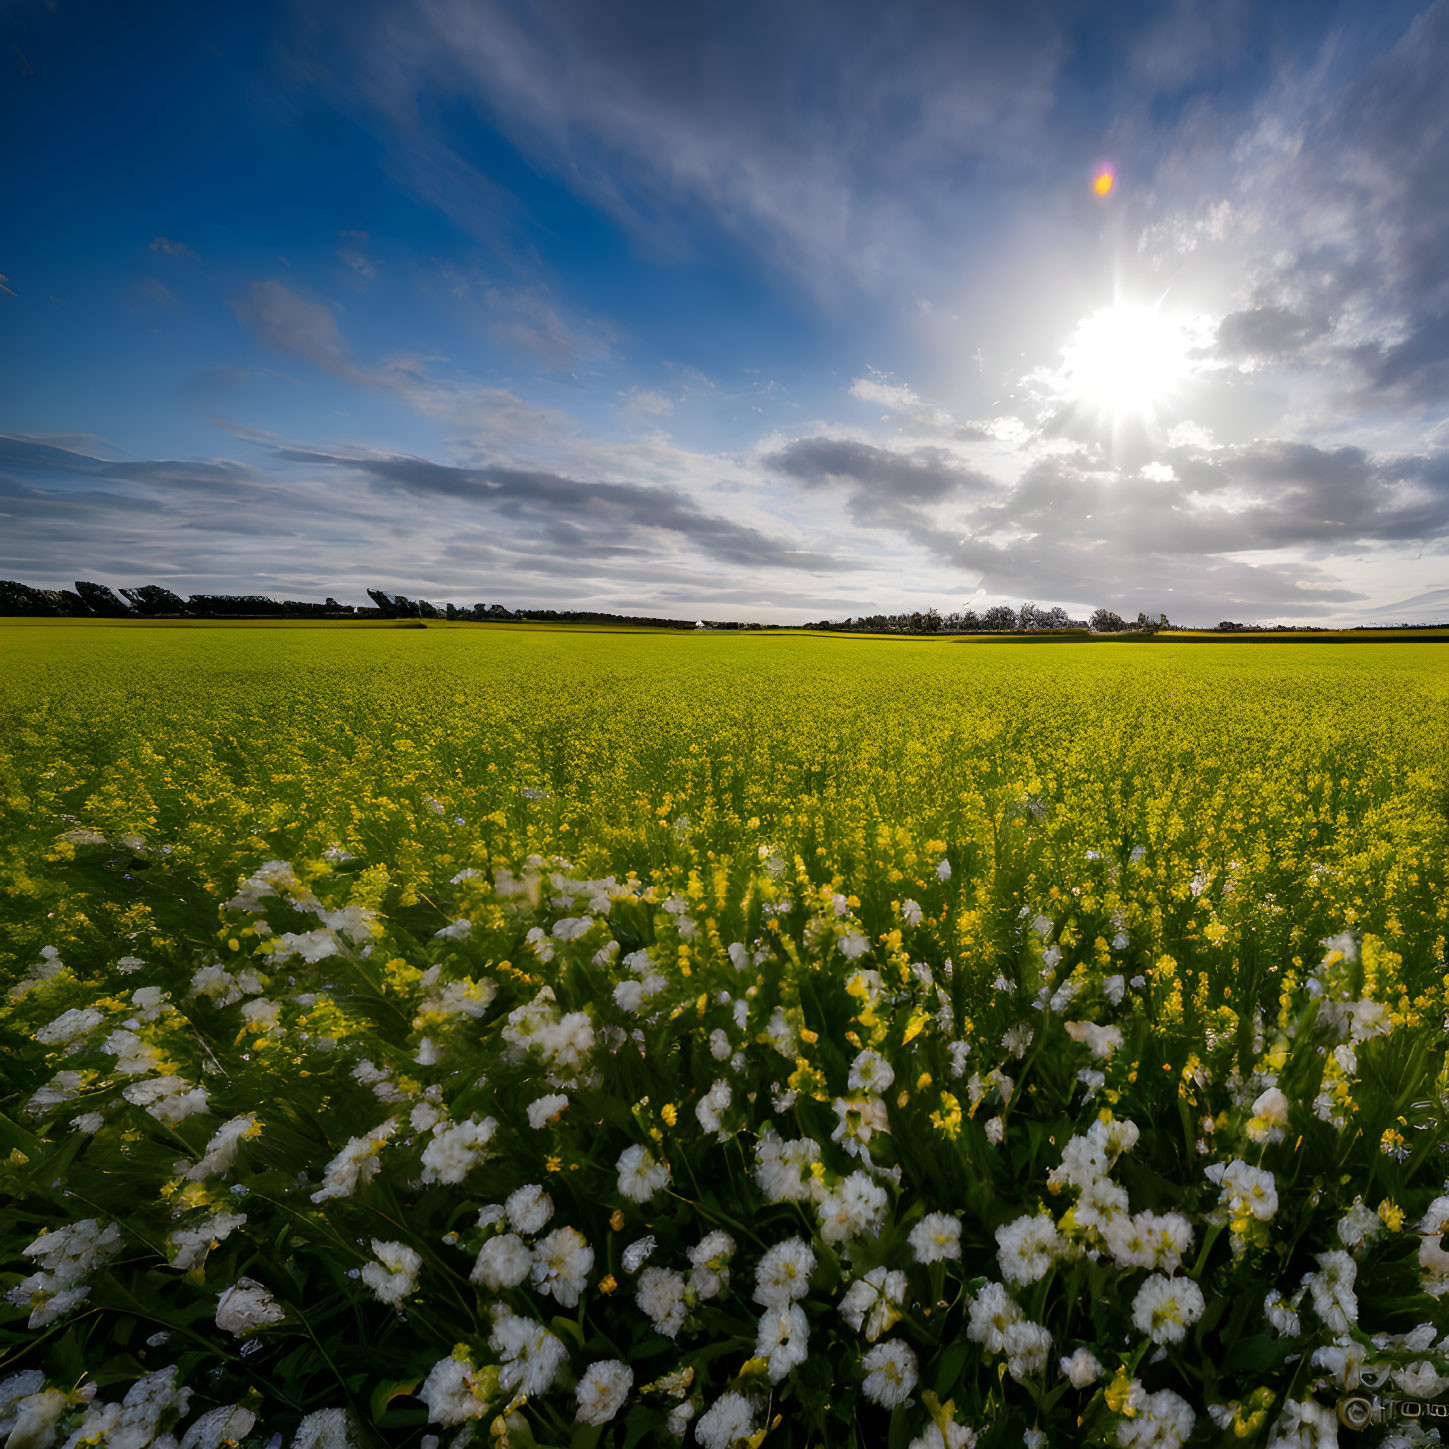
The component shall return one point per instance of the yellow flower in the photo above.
(670, 1113)
(1391, 1214)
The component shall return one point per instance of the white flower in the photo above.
(357, 1162)
(530, 1355)
(544, 1109)
(660, 1296)
(503, 1262)
(1282, 1315)
(247, 1305)
(870, 1072)
(35, 1418)
(191, 1245)
(1115, 1136)
(395, 1273)
(602, 1389)
(872, 1304)
(1343, 1360)
(452, 1393)
(890, 1368)
(783, 1169)
(1162, 1420)
(327, 1429)
(782, 1339)
(856, 1206)
(456, 1148)
(1115, 987)
(1250, 1188)
(638, 1252)
(860, 1118)
(992, 1311)
(1103, 1040)
(783, 1274)
(1027, 1248)
(727, 1422)
(1270, 1117)
(1083, 1162)
(937, 1236)
(995, 1130)
(679, 1417)
(1332, 1290)
(227, 1425)
(1165, 1308)
(712, 1104)
(911, 913)
(222, 1149)
(629, 996)
(1358, 1225)
(168, 1099)
(640, 1176)
(529, 1208)
(1101, 1204)
(1027, 1346)
(69, 1025)
(710, 1259)
(1306, 1424)
(1082, 1368)
(561, 1264)
(957, 1436)
(943, 870)
(1017, 1039)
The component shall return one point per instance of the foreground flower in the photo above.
(872, 1304)
(1165, 1308)
(727, 1422)
(602, 1390)
(395, 1273)
(454, 1391)
(783, 1274)
(530, 1355)
(247, 1305)
(937, 1236)
(890, 1373)
(640, 1176)
(782, 1340)
(561, 1265)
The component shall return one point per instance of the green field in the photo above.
(979, 900)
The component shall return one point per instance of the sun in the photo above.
(1124, 361)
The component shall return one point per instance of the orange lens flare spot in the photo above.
(1103, 183)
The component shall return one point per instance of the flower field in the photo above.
(474, 1035)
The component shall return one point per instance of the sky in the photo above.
(736, 311)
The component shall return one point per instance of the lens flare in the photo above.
(1103, 183)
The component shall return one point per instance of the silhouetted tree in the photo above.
(151, 600)
(101, 600)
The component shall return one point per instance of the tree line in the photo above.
(152, 601)
(999, 619)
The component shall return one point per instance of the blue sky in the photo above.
(739, 311)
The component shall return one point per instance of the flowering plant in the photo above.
(604, 1160)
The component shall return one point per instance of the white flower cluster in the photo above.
(66, 1257)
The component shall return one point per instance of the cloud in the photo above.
(647, 402)
(283, 320)
(363, 266)
(170, 248)
(574, 515)
(816, 136)
(898, 397)
(921, 475)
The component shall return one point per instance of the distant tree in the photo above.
(101, 600)
(999, 619)
(386, 605)
(1053, 618)
(1106, 621)
(151, 600)
(1028, 617)
(429, 611)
